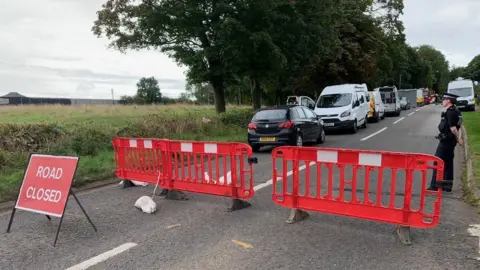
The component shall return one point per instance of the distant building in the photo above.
(14, 98)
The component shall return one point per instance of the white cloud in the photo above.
(48, 49)
(449, 25)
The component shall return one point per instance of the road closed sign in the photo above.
(46, 184)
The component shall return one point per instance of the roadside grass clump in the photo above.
(472, 124)
(87, 132)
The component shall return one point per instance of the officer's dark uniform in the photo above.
(446, 147)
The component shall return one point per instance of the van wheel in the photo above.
(378, 118)
(354, 128)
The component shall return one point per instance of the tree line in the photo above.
(261, 51)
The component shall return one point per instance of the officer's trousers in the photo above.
(445, 151)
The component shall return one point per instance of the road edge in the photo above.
(471, 192)
(8, 205)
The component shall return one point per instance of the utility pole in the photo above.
(400, 83)
(113, 98)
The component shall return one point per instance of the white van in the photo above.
(390, 99)
(344, 106)
(377, 108)
(465, 89)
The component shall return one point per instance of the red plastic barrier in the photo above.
(191, 160)
(362, 204)
(214, 168)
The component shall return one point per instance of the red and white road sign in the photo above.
(46, 184)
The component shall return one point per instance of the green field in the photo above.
(472, 124)
(87, 131)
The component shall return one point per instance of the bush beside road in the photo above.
(87, 131)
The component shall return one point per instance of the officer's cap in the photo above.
(450, 96)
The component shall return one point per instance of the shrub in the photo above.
(28, 138)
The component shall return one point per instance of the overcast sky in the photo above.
(47, 48)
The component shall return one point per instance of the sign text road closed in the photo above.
(46, 185)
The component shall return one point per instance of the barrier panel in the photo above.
(139, 159)
(213, 168)
(326, 175)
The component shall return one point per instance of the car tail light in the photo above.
(252, 126)
(288, 124)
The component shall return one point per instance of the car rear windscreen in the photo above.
(270, 115)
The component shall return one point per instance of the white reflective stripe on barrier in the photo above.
(327, 156)
(368, 159)
(186, 147)
(210, 148)
(133, 143)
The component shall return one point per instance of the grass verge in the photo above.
(472, 126)
(87, 132)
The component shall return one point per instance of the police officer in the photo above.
(450, 135)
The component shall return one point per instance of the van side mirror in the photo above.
(311, 106)
(357, 103)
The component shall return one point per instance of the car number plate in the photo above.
(329, 124)
(461, 106)
(268, 139)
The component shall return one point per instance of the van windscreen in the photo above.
(461, 92)
(334, 100)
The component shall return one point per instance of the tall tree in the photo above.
(439, 65)
(190, 31)
(473, 69)
(457, 72)
(148, 90)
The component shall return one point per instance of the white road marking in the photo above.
(475, 231)
(270, 182)
(398, 120)
(376, 133)
(102, 257)
(411, 113)
(417, 110)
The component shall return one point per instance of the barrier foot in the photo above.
(296, 215)
(404, 235)
(127, 184)
(238, 204)
(175, 195)
(164, 192)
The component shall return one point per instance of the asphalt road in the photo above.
(200, 234)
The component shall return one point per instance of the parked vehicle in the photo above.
(377, 108)
(390, 99)
(465, 90)
(301, 100)
(419, 97)
(285, 125)
(344, 107)
(404, 103)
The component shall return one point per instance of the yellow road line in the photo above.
(242, 244)
(173, 226)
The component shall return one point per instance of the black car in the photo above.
(285, 125)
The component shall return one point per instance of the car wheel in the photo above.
(299, 140)
(322, 137)
(255, 148)
(354, 128)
